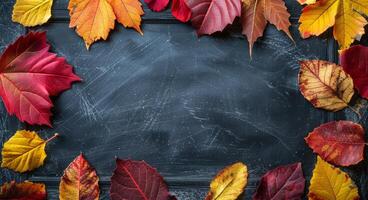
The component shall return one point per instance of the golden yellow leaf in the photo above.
(325, 84)
(128, 13)
(24, 151)
(93, 19)
(330, 183)
(308, 2)
(32, 12)
(346, 17)
(229, 183)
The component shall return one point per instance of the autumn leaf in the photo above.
(23, 191)
(229, 183)
(209, 16)
(284, 182)
(24, 151)
(157, 5)
(330, 183)
(135, 180)
(354, 61)
(180, 10)
(339, 142)
(325, 84)
(29, 75)
(345, 16)
(93, 19)
(32, 12)
(79, 181)
(308, 2)
(256, 13)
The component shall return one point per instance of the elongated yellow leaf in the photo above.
(32, 12)
(330, 183)
(24, 151)
(325, 84)
(229, 183)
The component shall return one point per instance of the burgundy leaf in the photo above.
(137, 180)
(209, 16)
(355, 62)
(157, 5)
(284, 182)
(180, 10)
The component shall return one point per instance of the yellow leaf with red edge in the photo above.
(32, 12)
(330, 183)
(229, 183)
(128, 13)
(24, 151)
(325, 84)
(345, 16)
(79, 181)
(23, 191)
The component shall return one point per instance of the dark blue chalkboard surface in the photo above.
(188, 106)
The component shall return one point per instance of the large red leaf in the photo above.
(137, 180)
(284, 182)
(180, 10)
(23, 191)
(157, 5)
(209, 16)
(355, 63)
(29, 74)
(339, 142)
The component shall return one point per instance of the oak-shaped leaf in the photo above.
(29, 75)
(137, 180)
(338, 142)
(330, 183)
(32, 13)
(256, 14)
(24, 151)
(345, 16)
(79, 181)
(23, 191)
(229, 183)
(93, 19)
(325, 84)
(209, 16)
(284, 182)
(354, 61)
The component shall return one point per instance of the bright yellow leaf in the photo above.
(229, 183)
(128, 13)
(24, 151)
(32, 12)
(330, 183)
(307, 1)
(345, 16)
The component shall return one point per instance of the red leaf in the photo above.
(284, 182)
(23, 191)
(157, 5)
(355, 63)
(29, 74)
(341, 143)
(180, 10)
(137, 180)
(209, 16)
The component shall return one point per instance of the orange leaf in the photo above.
(23, 191)
(128, 13)
(79, 181)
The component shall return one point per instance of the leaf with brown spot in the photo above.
(23, 191)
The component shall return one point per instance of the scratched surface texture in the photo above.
(188, 106)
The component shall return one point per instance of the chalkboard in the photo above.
(188, 106)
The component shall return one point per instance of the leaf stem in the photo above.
(53, 137)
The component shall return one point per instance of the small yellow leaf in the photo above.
(325, 84)
(128, 13)
(229, 183)
(330, 183)
(24, 151)
(308, 2)
(32, 12)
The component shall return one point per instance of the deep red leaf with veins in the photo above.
(29, 74)
(157, 5)
(209, 16)
(339, 142)
(137, 180)
(180, 10)
(355, 62)
(284, 182)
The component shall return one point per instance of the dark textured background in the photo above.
(188, 106)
